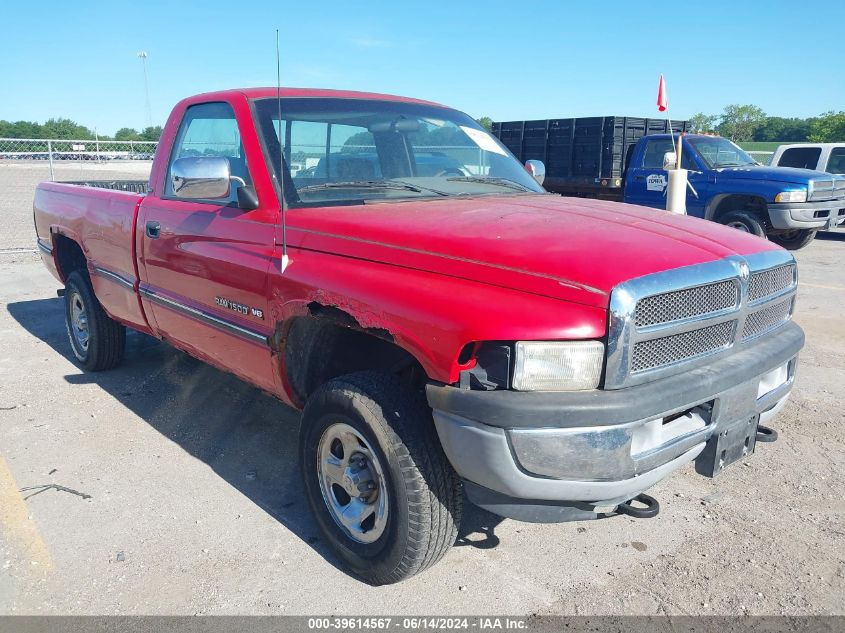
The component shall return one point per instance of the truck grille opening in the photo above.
(767, 319)
(670, 321)
(677, 347)
(769, 282)
(687, 303)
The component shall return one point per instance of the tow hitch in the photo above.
(650, 510)
(766, 434)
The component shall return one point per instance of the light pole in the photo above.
(143, 56)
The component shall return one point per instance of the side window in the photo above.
(802, 157)
(210, 129)
(654, 151)
(836, 162)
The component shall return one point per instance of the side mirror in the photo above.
(537, 170)
(201, 177)
(670, 159)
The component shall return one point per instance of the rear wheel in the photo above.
(97, 340)
(382, 491)
(793, 240)
(746, 221)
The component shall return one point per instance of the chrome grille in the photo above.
(671, 321)
(767, 319)
(769, 282)
(671, 349)
(687, 303)
(827, 189)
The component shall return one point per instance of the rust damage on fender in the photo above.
(345, 319)
(326, 312)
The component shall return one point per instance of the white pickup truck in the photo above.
(829, 157)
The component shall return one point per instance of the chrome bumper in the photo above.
(807, 215)
(603, 464)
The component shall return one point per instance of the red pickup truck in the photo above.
(446, 325)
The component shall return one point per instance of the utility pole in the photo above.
(143, 56)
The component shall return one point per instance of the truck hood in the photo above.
(790, 175)
(568, 248)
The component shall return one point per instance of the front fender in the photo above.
(431, 316)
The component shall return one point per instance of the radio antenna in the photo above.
(282, 204)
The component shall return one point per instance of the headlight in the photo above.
(558, 366)
(792, 196)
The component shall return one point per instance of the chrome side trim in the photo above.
(44, 247)
(205, 317)
(623, 334)
(123, 281)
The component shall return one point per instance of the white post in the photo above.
(676, 191)
(50, 156)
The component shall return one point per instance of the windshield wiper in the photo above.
(490, 180)
(720, 165)
(396, 185)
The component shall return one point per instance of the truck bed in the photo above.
(586, 155)
(99, 216)
(135, 186)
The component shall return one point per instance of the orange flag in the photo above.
(662, 101)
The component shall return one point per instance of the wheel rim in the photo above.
(352, 483)
(739, 226)
(78, 321)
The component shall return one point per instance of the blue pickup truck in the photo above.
(786, 205)
(618, 158)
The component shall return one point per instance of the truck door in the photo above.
(205, 262)
(645, 183)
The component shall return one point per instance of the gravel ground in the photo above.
(168, 487)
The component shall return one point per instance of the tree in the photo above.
(829, 127)
(776, 128)
(127, 134)
(151, 133)
(740, 121)
(486, 122)
(703, 122)
(65, 129)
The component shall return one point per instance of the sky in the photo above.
(506, 60)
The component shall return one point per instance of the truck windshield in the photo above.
(348, 151)
(719, 152)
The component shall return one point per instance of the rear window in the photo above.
(836, 162)
(801, 157)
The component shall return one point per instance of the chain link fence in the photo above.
(26, 162)
(764, 158)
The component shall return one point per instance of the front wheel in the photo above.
(381, 489)
(793, 240)
(97, 340)
(745, 221)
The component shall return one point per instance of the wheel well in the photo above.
(740, 202)
(69, 256)
(320, 347)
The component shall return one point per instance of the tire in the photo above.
(793, 240)
(746, 221)
(97, 340)
(371, 417)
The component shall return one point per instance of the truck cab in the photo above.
(829, 157)
(787, 205)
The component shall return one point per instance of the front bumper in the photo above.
(566, 456)
(807, 215)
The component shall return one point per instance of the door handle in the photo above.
(639, 178)
(153, 229)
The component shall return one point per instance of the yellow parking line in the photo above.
(803, 283)
(16, 523)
